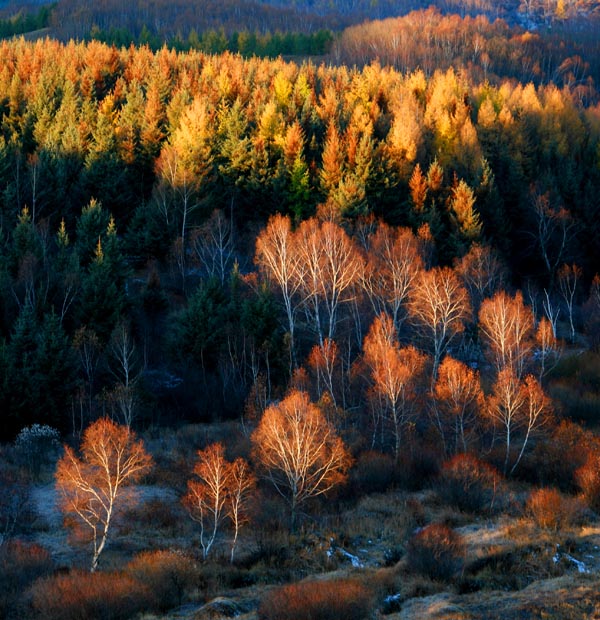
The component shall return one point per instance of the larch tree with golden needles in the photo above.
(417, 185)
(93, 487)
(439, 306)
(299, 451)
(183, 167)
(462, 208)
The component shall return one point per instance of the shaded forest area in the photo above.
(135, 185)
(76, 18)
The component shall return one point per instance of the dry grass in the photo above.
(563, 598)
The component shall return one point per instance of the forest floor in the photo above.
(512, 570)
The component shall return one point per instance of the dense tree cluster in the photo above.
(168, 19)
(175, 221)
(212, 42)
(566, 55)
(22, 22)
(76, 18)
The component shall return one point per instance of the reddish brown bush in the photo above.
(168, 575)
(436, 551)
(318, 600)
(555, 461)
(588, 479)
(468, 483)
(551, 510)
(20, 565)
(89, 596)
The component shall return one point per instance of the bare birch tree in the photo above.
(93, 487)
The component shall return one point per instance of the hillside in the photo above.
(167, 21)
(299, 325)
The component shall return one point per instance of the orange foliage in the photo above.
(394, 260)
(458, 403)
(93, 487)
(396, 373)
(219, 490)
(299, 451)
(551, 510)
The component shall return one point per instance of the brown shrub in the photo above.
(167, 574)
(588, 479)
(157, 513)
(318, 600)
(20, 565)
(89, 596)
(551, 510)
(436, 551)
(417, 468)
(555, 461)
(373, 472)
(468, 483)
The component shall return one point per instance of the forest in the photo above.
(311, 311)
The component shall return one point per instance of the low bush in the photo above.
(16, 508)
(20, 565)
(89, 596)
(318, 600)
(468, 483)
(551, 510)
(588, 480)
(157, 513)
(554, 462)
(418, 468)
(436, 551)
(167, 574)
(373, 472)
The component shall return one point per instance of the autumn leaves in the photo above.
(325, 277)
(293, 446)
